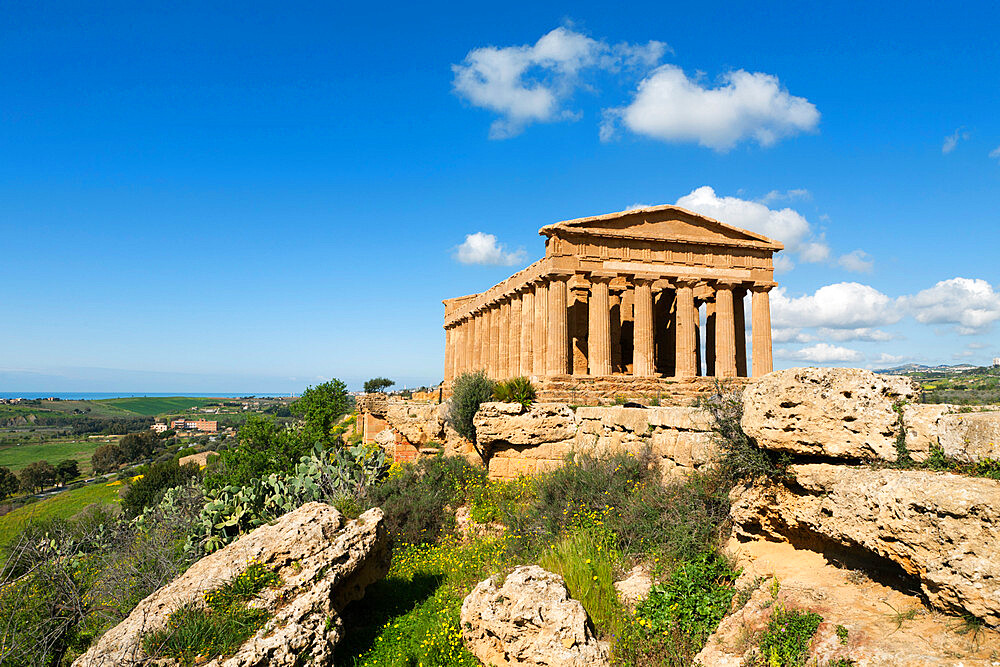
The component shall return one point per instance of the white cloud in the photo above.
(481, 248)
(995, 152)
(886, 358)
(860, 333)
(787, 195)
(821, 353)
(789, 335)
(971, 304)
(672, 107)
(838, 306)
(531, 83)
(952, 140)
(858, 261)
(785, 225)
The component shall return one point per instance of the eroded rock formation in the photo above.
(324, 562)
(529, 620)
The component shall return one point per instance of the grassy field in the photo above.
(62, 505)
(53, 451)
(150, 407)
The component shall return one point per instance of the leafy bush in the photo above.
(321, 407)
(740, 458)
(148, 489)
(469, 391)
(515, 390)
(785, 643)
(264, 449)
(106, 458)
(217, 628)
(414, 498)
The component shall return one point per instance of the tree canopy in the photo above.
(320, 407)
(378, 385)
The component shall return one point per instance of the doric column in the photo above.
(540, 334)
(643, 351)
(514, 336)
(740, 331)
(725, 329)
(709, 338)
(503, 339)
(761, 324)
(686, 356)
(449, 353)
(557, 351)
(527, 328)
(475, 358)
(599, 326)
(492, 351)
(461, 350)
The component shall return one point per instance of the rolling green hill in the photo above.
(157, 405)
(63, 505)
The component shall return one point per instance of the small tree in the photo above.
(107, 458)
(36, 476)
(9, 483)
(378, 385)
(136, 446)
(321, 406)
(469, 391)
(67, 470)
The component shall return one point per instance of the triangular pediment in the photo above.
(666, 223)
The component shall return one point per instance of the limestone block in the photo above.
(971, 436)
(836, 412)
(500, 424)
(698, 447)
(939, 528)
(419, 423)
(922, 427)
(585, 442)
(529, 621)
(324, 561)
(683, 418)
(664, 443)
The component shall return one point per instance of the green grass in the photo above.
(53, 451)
(156, 405)
(63, 505)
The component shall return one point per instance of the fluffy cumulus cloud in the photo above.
(670, 106)
(972, 305)
(951, 141)
(785, 225)
(821, 353)
(841, 306)
(532, 83)
(481, 248)
(857, 261)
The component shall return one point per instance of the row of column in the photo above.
(526, 332)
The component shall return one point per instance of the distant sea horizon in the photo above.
(98, 395)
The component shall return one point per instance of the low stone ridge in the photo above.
(968, 437)
(530, 620)
(940, 529)
(833, 412)
(324, 562)
(513, 424)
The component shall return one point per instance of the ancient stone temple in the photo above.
(647, 294)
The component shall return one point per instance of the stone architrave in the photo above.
(643, 355)
(761, 324)
(527, 328)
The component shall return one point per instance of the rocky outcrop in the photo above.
(513, 424)
(962, 435)
(529, 620)
(831, 412)
(938, 529)
(419, 423)
(324, 562)
(635, 587)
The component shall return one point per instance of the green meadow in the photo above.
(63, 505)
(157, 405)
(16, 457)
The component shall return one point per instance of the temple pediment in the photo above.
(660, 223)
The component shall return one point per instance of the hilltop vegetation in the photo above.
(975, 386)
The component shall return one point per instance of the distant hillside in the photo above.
(961, 384)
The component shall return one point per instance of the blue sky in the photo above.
(261, 196)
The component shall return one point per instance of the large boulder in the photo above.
(940, 530)
(501, 424)
(324, 562)
(419, 423)
(530, 620)
(832, 412)
(962, 435)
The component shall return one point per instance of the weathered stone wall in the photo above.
(528, 441)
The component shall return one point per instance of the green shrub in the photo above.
(157, 478)
(264, 448)
(740, 458)
(469, 391)
(785, 642)
(414, 498)
(515, 390)
(220, 626)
